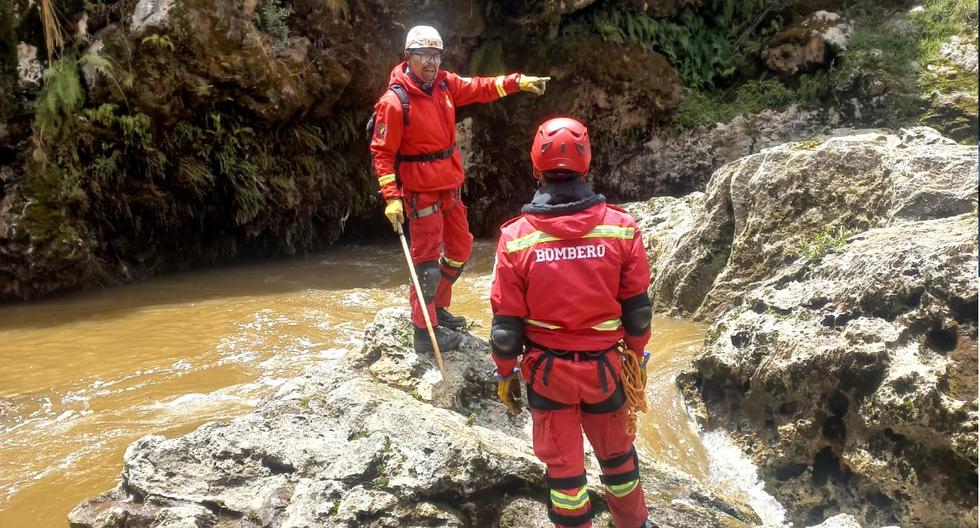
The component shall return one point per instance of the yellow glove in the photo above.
(395, 214)
(509, 392)
(535, 85)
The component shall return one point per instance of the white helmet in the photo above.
(423, 37)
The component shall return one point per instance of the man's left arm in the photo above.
(509, 310)
(633, 283)
(469, 90)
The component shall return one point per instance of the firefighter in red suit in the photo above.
(420, 170)
(570, 282)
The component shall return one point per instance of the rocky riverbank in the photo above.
(839, 276)
(372, 442)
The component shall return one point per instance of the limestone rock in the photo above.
(840, 275)
(765, 210)
(342, 448)
(150, 13)
(961, 52)
(672, 162)
(809, 44)
(839, 521)
(388, 357)
(664, 221)
(29, 70)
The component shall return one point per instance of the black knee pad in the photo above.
(429, 275)
(636, 314)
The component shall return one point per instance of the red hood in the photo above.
(398, 76)
(572, 225)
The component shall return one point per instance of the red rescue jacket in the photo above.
(565, 275)
(431, 128)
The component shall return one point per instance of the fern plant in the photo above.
(62, 93)
(271, 18)
(701, 45)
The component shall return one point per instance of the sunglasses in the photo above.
(428, 56)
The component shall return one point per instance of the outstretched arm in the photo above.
(469, 90)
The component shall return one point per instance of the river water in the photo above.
(84, 376)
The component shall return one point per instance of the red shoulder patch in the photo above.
(380, 130)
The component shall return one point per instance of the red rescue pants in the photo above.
(441, 243)
(569, 393)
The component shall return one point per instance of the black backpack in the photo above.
(402, 98)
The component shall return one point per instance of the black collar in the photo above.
(562, 197)
(425, 87)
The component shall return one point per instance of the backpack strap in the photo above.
(403, 99)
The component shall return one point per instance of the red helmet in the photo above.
(561, 144)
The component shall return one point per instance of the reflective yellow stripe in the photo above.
(386, 179)
(600, 231)
(608, 326)
(500, 86)
(453, 263)
(611, 231)
(622, 490)
(542, 325)
(569, 502)
(528, 240)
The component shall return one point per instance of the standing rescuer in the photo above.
(569, 285)
(420, 170)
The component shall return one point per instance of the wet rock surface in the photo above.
(341, 447)
(840, 277)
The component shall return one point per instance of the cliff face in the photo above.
(839, 275)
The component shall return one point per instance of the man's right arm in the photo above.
(385, 142)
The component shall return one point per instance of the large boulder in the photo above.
(766, 211)
(840, 278)
(359, 446)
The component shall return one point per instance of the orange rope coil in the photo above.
(634, 384)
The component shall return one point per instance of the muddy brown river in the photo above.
(84, 376)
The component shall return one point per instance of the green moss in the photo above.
(810, 144)
(823, 242)
(702, 108)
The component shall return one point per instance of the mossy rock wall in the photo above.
(233, 128)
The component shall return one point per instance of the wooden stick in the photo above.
(425, 308)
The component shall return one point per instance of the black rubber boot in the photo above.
(447, 339)
(453, 322)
